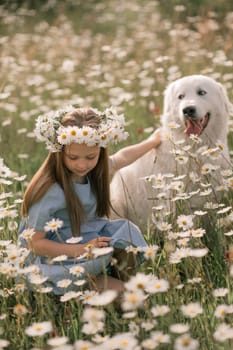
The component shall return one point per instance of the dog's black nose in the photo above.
(189, 111)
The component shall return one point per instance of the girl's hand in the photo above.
(100, 242)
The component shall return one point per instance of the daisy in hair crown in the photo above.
(50, 130)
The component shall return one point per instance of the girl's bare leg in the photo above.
(104, 282)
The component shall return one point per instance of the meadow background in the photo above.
(120, 53)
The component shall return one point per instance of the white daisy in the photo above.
(149, 344)
(59, 258)
(37, 279)
(53, 225)
(63, 136)
(69, 296)
(157, 286)
(229, 233)
(83, 345)
(65, 283)
(198, 253)
(57, 341)
(102, 299)
(39, 329)
(92, 314)
(74, 240)
(77, 270)
(27, 233)
(185, 221)
(208, 168)
(223, 332)
(164, 226)
(150, 251)
(199, 232)
(139, 281)
(179, 328)
(4, 343)
(191, 310)
(160, 337)
(178, 255)
(133, 300)
(185, 342)
(220, 292)
(160, 310)
(222, 310)
(123, 341)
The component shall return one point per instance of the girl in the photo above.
(66, 206)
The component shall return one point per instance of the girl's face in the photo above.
(80, 159)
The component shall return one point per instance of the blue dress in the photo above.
(53, 205)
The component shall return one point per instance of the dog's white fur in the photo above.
(198, 98)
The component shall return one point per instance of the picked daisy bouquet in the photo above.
(50, 130)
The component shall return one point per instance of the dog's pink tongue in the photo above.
(192, 127)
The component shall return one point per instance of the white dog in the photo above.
(189, 163)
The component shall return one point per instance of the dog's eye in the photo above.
(181, 96)
(201, 92)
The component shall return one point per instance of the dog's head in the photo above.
(197, 103)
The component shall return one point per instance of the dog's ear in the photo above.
(169, 98)
(169, 103)
(227, 105)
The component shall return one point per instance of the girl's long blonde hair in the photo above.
(53, 170)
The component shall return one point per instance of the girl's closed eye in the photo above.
(76, 158)
(72, 157)
(91, 157)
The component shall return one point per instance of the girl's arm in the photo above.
(42, 246)
(129, 154)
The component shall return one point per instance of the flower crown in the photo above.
(50, 130)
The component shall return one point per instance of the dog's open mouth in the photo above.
(196, 126)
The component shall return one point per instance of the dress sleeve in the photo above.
(45, 209)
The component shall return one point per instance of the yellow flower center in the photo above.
(19, 309)
(186, 342)
(13, 256)
(124, 342)
(133, 298)
(149, 251)
(73, 133)
(89, 246)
